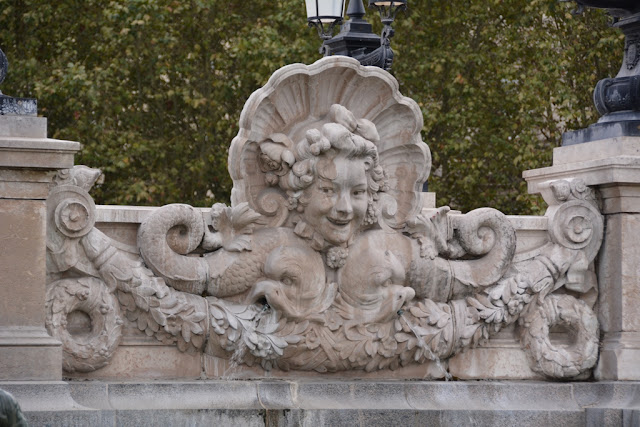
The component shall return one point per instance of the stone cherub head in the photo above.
(332, 177)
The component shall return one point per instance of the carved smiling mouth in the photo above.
(339, 222)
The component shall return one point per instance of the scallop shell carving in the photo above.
(298, 97)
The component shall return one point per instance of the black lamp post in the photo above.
(616, 99)
(356, 38)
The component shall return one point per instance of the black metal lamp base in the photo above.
(617, 99)
(598, 131)
(10, 106)
(357, 40)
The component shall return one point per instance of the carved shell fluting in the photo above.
(91, 349)
(298, 97)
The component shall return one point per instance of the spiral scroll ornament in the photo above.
(72, 210)
(577, 225)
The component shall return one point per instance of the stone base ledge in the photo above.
(26, 335)
(37, 153)
(499, 358)
(334, 403)
(603, 162)
(28, 353)
(597, 150)
(619, 357)
(24, 126)
(620, 170)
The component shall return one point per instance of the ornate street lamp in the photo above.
(356, 38)
(616, 99)
(325, 15)
(387, 10)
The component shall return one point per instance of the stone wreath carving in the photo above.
(325, 260)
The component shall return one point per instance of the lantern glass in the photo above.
(387, 3)
(326, 11)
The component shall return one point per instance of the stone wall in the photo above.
(142, 357)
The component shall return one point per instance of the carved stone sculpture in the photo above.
(325, 260)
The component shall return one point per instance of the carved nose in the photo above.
(343, 207)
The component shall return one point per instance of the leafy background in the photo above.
(153, 89)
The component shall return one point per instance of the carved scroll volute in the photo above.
(574, 223)
(82, 312)
(70, 216)
(575, 226)
(487, 234)
(183, 273)
(265, 198)
(574, 219)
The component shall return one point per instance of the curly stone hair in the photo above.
(295, 170)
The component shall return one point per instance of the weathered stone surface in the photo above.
(26, 351)
(611, 166)
(28, 163)
(186, 395)
(29, 353)
(619, 272)
(25, 184)
(596, 150)
(597, 163)
(340, 403)
(155, 361)
(620, 199)
(22, 227)
(501, 358)
(327, 260)
(23, 127)
(619, 357)
(41, 153)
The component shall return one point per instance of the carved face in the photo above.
(337, 199)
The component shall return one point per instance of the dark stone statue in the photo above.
(10, 413)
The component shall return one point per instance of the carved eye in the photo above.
(287, 281)
(326, 190)
(359, 193)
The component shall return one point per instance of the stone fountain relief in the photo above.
(326, 260)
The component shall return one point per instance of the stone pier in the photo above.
(612, 166)
(28, 163)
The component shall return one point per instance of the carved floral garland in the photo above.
(335, 339)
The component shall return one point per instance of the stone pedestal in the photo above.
(28, 163)
(613, 167)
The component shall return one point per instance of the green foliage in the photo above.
(153, 89)
(498, 83)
